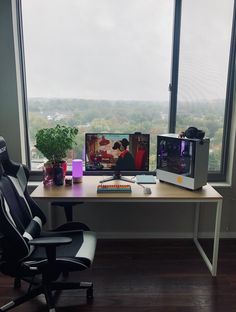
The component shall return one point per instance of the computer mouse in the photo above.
(147, 190)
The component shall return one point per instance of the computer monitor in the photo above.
(116, 152)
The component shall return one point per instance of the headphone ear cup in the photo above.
(191, 132)
(194, 133)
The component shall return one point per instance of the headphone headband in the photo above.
(193, 133)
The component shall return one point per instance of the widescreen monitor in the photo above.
(116, 152)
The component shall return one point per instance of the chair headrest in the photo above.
(3, 149)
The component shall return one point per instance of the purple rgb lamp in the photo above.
(77, 170)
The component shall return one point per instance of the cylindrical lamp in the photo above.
(77, 170)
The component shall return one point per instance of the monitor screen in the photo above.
(175, 155)
(116, 152)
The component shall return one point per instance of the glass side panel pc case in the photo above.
(116, 152)
(182, 161)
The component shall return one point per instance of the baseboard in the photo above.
(161, 235)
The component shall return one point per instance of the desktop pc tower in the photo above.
(182, 161)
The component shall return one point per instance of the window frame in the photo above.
(217, 176)
(228, 102)
(22, 73)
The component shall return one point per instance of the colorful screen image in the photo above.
(116, 152)
(175, 155)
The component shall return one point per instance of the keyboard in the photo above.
(114, 188)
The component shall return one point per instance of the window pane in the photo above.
(98, 65)
(204, 54)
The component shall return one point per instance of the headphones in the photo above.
(194, 133)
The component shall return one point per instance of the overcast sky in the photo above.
(121, 49)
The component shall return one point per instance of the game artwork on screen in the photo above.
(117, 152)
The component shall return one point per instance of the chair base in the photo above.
(47, 289)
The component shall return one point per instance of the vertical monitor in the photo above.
(116, 152)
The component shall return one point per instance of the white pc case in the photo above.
(182, 161)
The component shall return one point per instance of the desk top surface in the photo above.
(87, 190)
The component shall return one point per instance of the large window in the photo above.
(106, 66)
(203, 68)
(98, 65)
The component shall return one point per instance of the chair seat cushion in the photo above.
(78, 255)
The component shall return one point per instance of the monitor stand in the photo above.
(116, 176)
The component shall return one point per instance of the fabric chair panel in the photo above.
(33, 230)
(13, 244)
(18, 209)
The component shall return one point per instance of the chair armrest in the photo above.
(50, 241)
(50, 244)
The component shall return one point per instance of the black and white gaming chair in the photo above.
(19, 175)
(27, 251)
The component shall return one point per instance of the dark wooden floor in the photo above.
(147, 275)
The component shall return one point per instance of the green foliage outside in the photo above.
(127, 117)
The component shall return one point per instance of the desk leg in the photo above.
(211, 266)
(196, 221)
(216, 237)
(49, 218)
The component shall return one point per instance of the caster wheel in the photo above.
(90, 294)
(17, 283)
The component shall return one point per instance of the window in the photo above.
(107, 65)
(99, 66)
(203, 68)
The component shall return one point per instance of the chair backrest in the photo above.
(20, 217)
(14, 223)
(19, 176)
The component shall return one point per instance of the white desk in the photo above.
(161, 192)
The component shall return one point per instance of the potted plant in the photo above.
(54, 143)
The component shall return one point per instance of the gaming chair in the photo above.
(27, 251)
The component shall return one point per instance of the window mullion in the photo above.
(173, 87)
